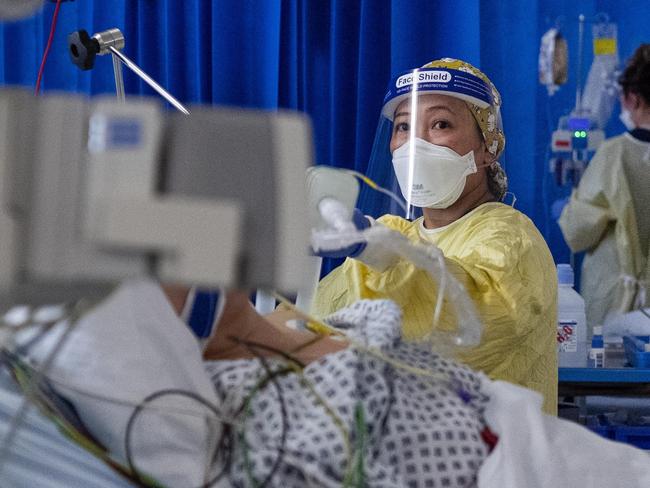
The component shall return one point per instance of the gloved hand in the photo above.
(361, 222)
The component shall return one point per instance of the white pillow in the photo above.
(129, 347)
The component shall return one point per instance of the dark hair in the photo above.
(636, 76)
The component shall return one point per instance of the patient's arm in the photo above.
(240, 322)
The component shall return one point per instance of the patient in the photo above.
(377, 411)
(295, 410)
(422, 429)
(240, 323)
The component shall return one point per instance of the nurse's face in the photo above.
(444, 121)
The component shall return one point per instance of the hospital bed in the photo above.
(80, 179)
(42, 456)
(95, 192)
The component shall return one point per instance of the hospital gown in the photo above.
(421, 431)
(499, 256)
(607, 216)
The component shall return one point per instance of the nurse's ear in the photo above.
(488, 157)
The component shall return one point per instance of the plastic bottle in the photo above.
(571, 322)
(597, 351)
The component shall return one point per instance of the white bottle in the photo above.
(571, 322)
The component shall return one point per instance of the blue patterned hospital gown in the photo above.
(420, 431)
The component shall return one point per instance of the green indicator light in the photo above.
(583, 134)
(576, 133)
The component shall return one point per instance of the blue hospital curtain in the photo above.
(329, 58)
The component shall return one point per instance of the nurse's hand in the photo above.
(361, 222)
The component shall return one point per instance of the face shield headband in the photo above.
(443, 81)
(478, 93)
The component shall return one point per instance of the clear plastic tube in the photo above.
(379, 188)
(424, 256)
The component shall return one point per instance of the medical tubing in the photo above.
(354, 458)
(423, 256)
(29, 321)
(38, 375)
(225, 440)
(643, 311)
(356, 476)
(330, 239)
(378, 188)
(319, 327)
(31, 388)
(22, 349)
(227, 422)
(64, 385)
(271, 376)
(141, 407)
(298, 368)
(431, 259)
(441, 292)
(314, 325)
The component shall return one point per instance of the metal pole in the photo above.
(161, 91)
(119, 81)
(581, 35)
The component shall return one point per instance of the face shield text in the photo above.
(423, 77)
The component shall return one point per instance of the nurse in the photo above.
(608, 214)
(441, 127)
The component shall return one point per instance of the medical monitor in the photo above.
(94, 192)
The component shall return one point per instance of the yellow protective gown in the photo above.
(499, 256)
(607, 216)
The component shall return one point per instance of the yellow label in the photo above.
(605, 45)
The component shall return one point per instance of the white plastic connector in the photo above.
(336, 214)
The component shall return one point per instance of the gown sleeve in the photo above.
(585, 218)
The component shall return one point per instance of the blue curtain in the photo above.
(331, 59)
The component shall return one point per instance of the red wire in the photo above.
(47, 47)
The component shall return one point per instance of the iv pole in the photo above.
(84, 49)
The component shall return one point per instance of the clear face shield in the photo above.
(423, 150)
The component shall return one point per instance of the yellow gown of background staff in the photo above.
(499, 256)
(608, 217)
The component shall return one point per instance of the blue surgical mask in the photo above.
(626, 118)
